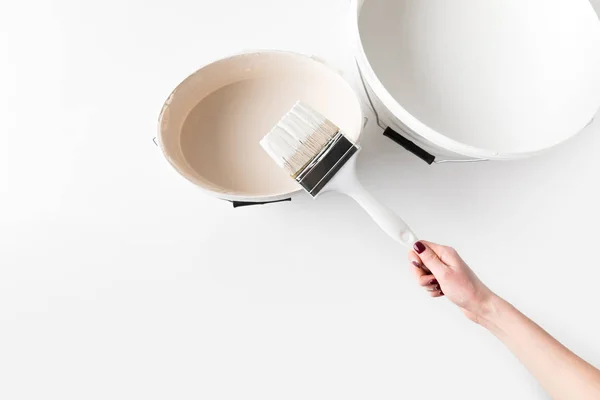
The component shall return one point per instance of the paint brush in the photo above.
(316, 153)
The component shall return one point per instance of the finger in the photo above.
(447, 254)
(428, 280)
(436, 294)
(437, 248)
(433, 288)
(415, 260)
(418, 272)
(429, 258)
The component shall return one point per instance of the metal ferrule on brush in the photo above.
(321, 169)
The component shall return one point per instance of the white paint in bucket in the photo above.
(211, 125)
(496, 79)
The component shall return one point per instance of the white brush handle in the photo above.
(346, 181)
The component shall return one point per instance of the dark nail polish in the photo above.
(438, 288)
(441, 293)
(416, 264)
(433, 282)
(419, 247)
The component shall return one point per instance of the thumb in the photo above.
(429, 258)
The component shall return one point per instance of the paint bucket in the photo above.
(478, 80)
(211, 124)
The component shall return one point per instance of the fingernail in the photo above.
(416, 264)
(438, 288)
(419, 247)
(433, 282)
(442, 293)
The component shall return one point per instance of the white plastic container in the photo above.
(493, 80)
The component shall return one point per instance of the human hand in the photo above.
(441, 271)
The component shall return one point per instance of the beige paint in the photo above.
(212, 124)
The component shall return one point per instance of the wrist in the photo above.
(490, 311)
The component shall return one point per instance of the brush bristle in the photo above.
(298, 138)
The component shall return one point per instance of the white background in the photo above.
(120, 280)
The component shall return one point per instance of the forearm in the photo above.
(561, 373)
